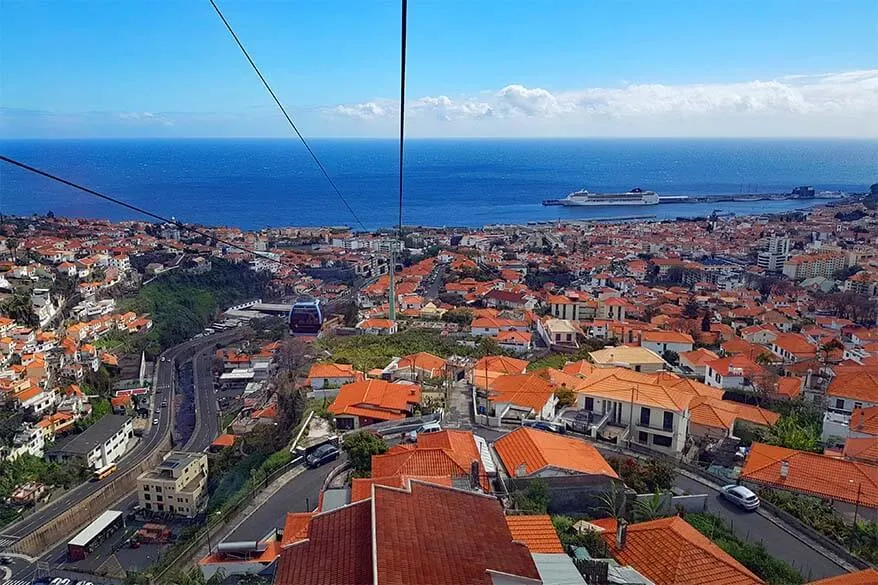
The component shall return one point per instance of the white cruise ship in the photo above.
(635, 196)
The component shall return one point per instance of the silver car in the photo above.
(740, 496)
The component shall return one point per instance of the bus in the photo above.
(103, 472)
(85, 543)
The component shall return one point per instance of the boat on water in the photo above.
(583, 198)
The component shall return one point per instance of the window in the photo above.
(858, 405)
(643, 437)
(589, 403)
(148, 506)
(146, 487)
(668, 423)
(158, 498)
(158, 488)
(636, 368)
(146, 497)
(661, 441)
(644, 416)
(839, 403)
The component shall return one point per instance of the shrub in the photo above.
(570, 537)
(750, 554)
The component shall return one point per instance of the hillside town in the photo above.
(580, 402)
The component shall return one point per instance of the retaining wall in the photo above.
(64, 525)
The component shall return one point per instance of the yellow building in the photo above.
(177, 485)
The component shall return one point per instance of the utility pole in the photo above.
(391, 313)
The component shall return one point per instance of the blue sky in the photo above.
(476, 68)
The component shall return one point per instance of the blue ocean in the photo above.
(261, 183)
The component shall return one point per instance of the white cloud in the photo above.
(146, 117)
(789, 105)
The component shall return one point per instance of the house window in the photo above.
(839, 403)
(146, 488)
(636, 368)
(642, 437)
(668, 422)
(146, 497)
(158, 498)
(858, 405)
(644, 416)
(589, 403)
(148, 506)
(661, 441)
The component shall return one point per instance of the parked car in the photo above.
(740, 496)
(4, 560)
(430, 427)
(321, 455)
(547, 426)
(155, 421)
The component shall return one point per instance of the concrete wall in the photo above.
(696, 503)
(569, 495)
(67, 523)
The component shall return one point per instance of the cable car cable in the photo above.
(286, 115)
(127, 205)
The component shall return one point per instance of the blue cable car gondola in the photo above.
(306, 318)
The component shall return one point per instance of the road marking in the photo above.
(7, 539)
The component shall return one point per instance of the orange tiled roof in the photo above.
(296, 527)
(813, 474)
(865, 577)
(224, 440)
(667, 337)
(856, 383)
(862, 449)
(527, 390)
(422, 361)
(375, 398)
(537, 450)
(579, 368)
(699, 357)
(536, 532)
(501, 364)
(331, 371)
(865, 420)
(669, 551)
(789, 386)
(361, 487)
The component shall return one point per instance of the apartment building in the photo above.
(810, 265)
(178, 485)
(101, 444)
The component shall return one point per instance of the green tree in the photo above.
(650, 508)
(19, 308)
(360, 447)
(571, 537)
(566, 396)
(795, 431)
(534, 499)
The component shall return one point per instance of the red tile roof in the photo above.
(864, 577)
(338, 550)
(865, 420)
(536, 450)
(441, 536)
(536, 532)
(855, 383)
(296, 527)
(669, 551)
(813, 474)
(331, 371)
(376, 399)
(862, 449)
(525, 390)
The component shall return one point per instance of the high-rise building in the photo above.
(772, 259)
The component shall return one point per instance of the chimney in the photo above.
(621, 533)
(784, 469)
(521, 470)
(475, 474)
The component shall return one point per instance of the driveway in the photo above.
(755, 527)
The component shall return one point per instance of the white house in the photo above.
(731, 372)
(330, 375)
(662, 341)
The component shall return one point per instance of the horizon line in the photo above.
(444, 138)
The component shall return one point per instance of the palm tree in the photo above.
(650, 508)
(612, 502)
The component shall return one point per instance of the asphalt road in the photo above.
(754, 527)
(206, 408)
(748, 526)
(164, 380)
(299, 495)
